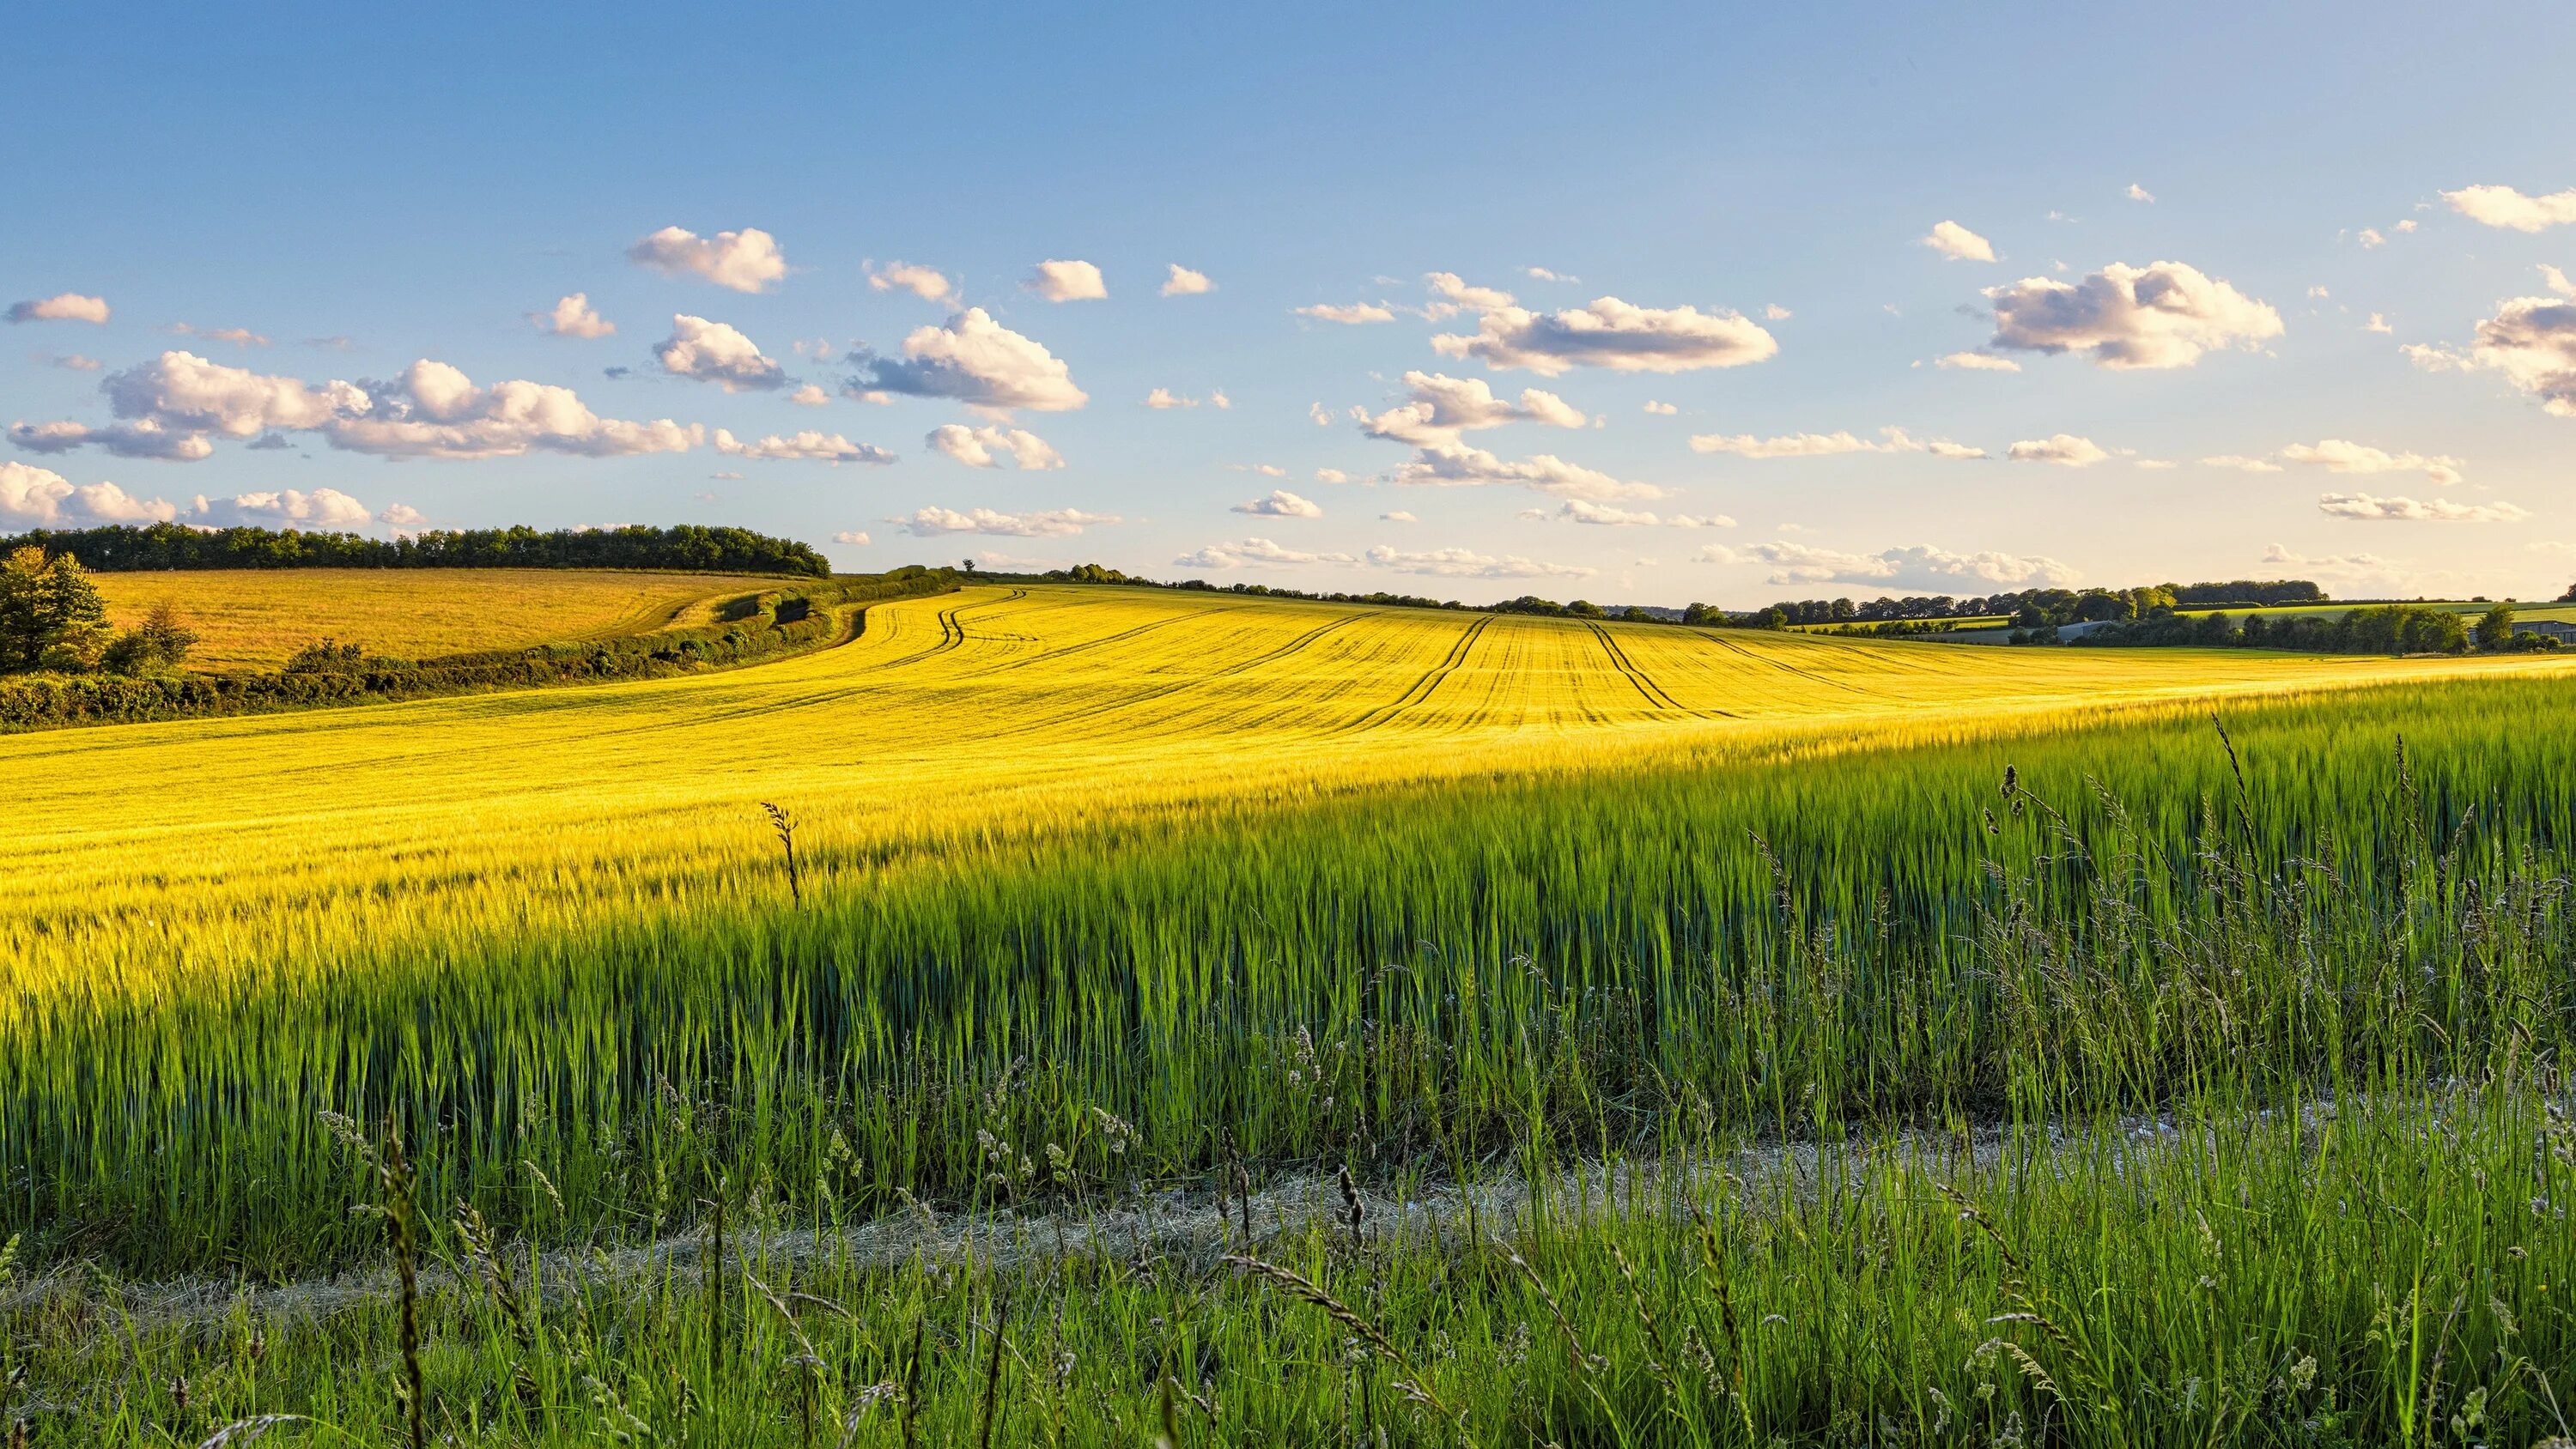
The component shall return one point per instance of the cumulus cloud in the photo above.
(1913, 566)
(2377, 323)
(238, 336)
(1398, 516)
(1281, 504)
(1331, 475)
(323, 508)
(975, 447)
(1441, 407)
(922, 282)
(2242, 463)
(40, 497)
(1958, 243)
(403, 515)
(2163, 315)
(1060, 281)
(1186, 283)
(2531, 341)
(808, 446)
(1353, 315)
(1824, 445)
(810, 395)
(573, 316)
(171, 404)
(974, 360)
(1455, 291)
(1461, 563)
(746, 260)
(1256, 551)
(2506, 207)
(2557, 281)
(852, 536)
(1606, 515)
(2429, 510)
(1660, 409)
(715, 352)
(144, 438)
(2336, 455)
(1611, 334)
(1455, 465)
(1978, 362)
(1046, 523)
(2064, 449)
(60, 307)
(1163, 399)
(2140, 193)
(2370, 237)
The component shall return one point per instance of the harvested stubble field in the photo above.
(258, 618)
(1101, 894)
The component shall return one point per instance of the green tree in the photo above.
(2495, 627)
(51, 616)
(154, 646)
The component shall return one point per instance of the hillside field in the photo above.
(256, 618)
(1679, 1011)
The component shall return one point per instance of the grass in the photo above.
(254, 619)
(1102, 897)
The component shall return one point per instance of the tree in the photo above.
(152, 647)
(51, 616)
(2495, 627)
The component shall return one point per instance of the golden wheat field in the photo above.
(997, 712)
(256, 618)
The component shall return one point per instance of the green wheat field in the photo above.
(1070, 1015)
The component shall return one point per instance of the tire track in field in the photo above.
(952, 630)
(1095, 711)
(1654, 693)
(1806, 674)
(1120, 637)
(1422, 688)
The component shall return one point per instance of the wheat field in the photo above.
(256, 618)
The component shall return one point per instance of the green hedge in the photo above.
(782, 622)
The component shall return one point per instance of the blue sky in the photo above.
(365, 191)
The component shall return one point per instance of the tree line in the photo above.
(124, 548)
(2027, 608)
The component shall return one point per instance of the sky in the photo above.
(1645, 304)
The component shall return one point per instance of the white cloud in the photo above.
(2140, 193)
(2557, 281)
(1542, 274)
(1316, 413)
(1460, 563)
(143, 438)
(1773, 311)
(1163, 398)
(1442, 407)
(1218, 400)
(2061, 448)
(2164, 315)
(974, 360)
(183, 391)
(2337, 455)
(2370, 238)
(746, 261)
(1398, 516)
(1958, 243)
(1457, 465)
(715, 352)
(238, 336)
(2531, 340)
(1060, 281)
(975, 447)
(2316, 294)
(1611, 334)
(922, 282)
(810, 395)
(1605, 515)
(2430, 510)
(2377, 323)
(1186, 283)
(1047, 523)
(1331, 475)
(808, 446)
(1353, 315)
(1256, 551)
(74, 361)
(1281, 504)
(2344, 566)
(323, 507)
(61, 307)
(1458, 294)
(1823, 445)
(856, 537)
(573, 317)
(30, 495)
(1914, 566)
(403, 515)
(2242, 463)
(1978, 362)
(1661, 409)
(2506, 207)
